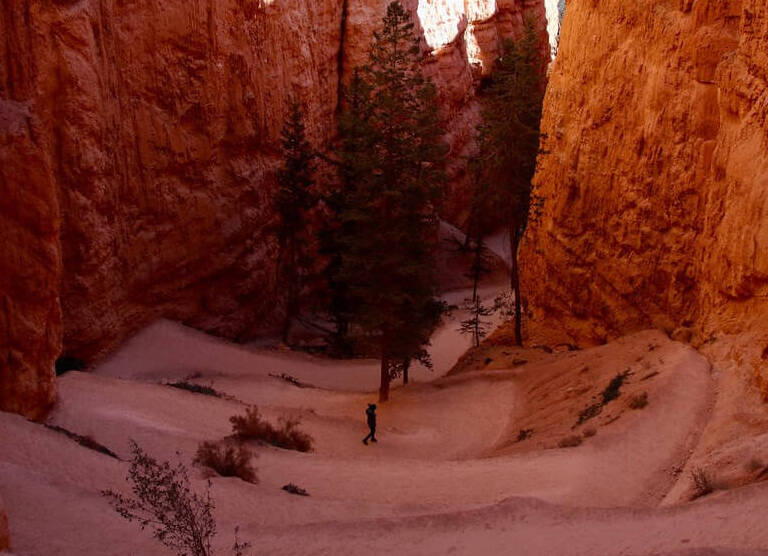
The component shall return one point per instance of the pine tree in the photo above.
(508, 140)
(339, 229)
(393, 166)
(293, 200)
(481, 266)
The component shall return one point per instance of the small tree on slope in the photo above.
(395, 156)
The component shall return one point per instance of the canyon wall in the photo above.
(138, 143)
(655, 175)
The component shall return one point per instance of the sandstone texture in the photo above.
(138, 143)
(5, 536)
(30, 267)
(656, 177)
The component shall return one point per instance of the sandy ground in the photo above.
(450, 474)
(444, 478)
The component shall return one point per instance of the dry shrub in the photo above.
(570, 442)
(702, 483)
(164, 502)
(195, 388)
(252, 426)
(589, 432)
(294, 489)
(227, 459)
(524, 434)
(638, 401)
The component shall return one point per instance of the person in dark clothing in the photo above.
(370, 414)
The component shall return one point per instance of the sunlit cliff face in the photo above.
(446, 21)
(553, 20)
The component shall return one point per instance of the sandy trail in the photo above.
(437, 482)
(446, 477)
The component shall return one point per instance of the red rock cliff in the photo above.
(138, 142)
(656, 181)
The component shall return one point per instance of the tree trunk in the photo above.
(384, 387)
(385, 375)
(406, 366)
(291, 277)
(514, 275)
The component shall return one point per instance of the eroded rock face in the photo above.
(656, 184)
(30, 267)
(139, 142)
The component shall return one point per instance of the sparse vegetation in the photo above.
(638, 401)
(227, 459)
(570, 441)
(84, 441)
(293, 489)
(163, 500)
(252, 426)
(702, 483)
(754, 465)
(589, 432)
(524, 434)
(289, 379)
(611, 392)
(195, 388)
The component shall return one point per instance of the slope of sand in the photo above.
(447, 477)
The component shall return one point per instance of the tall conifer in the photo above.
(292, 201)
(393, 160)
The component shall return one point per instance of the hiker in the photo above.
(370, 413)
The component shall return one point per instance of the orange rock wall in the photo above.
(30, 267)
(656, 181)
(138, 142)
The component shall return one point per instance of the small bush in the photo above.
(195, 388)
(589, 432)
(570, 442)
(163, 501)
(638, 401)
(589, 412)
(524, 434)
(251, 426)
(290, 379)
(293, 489)
(754, 465)
(227, 459)
(611, 392)
(702, 483)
